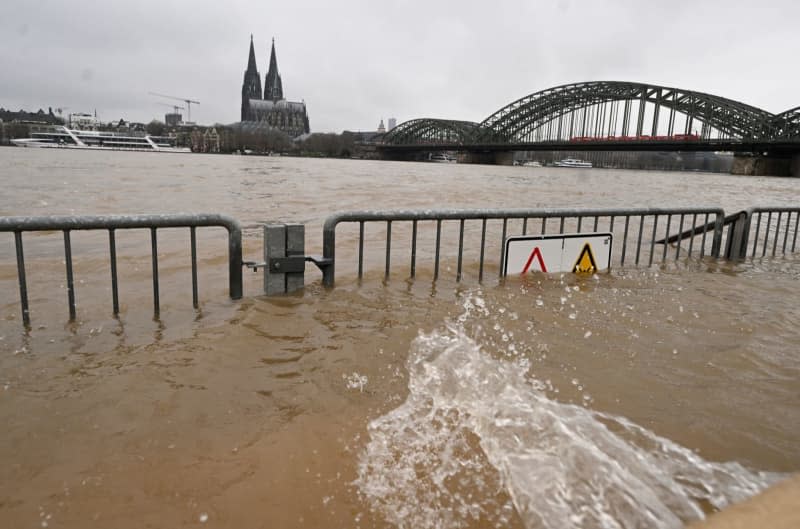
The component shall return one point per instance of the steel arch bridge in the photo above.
(610, 115)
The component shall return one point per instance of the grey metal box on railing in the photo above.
(284, 258)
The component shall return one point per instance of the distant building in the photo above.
(207, 140)
(173, 119)
(270, 107)
(40, 117)
(83, 121)
(392, 123)
(381, 128)
(366, 136)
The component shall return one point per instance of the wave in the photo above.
(477, 442)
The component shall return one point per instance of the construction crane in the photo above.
(187, 101)
(175, 108)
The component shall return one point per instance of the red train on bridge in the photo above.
(674, 137)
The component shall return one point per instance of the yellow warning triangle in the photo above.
(585, 264)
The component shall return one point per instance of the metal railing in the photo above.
(642, 236)
(637, 227)
(787, 220)
(67, 224)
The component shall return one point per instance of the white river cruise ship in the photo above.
(65, 138)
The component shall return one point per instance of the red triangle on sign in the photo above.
(538, 254)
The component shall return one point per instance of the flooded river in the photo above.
(645, 397)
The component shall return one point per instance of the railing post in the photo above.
(329, 250)
(23, 285)
(234, 260)
(70, 280)
(736, 243)
(719, 228)
(296, 247)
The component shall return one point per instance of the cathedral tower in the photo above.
(273, 87)
(272, 111)
(251, 87)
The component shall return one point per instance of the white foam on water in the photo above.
(478, 442)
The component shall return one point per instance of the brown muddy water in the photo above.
(644, 397)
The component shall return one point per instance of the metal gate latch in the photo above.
(287, 265)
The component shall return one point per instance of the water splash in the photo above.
(478, 442)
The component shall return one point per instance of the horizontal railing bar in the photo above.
(697, 229)
(104, 222)
(468, 214)
(774, 209)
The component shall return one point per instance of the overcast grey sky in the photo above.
(357, 61)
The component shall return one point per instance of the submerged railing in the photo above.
(780, 232)
(637, 228)
(111, 223)
(641, 236)
(745, 230)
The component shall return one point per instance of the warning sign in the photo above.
(535, 254)
(581, 253)
(539, 255)
(585, 263)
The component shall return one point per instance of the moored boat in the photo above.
(572, 162)
(441, 157)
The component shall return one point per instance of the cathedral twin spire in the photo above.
(251, 87)
(251, 61)
(273, 85)
(270, 107)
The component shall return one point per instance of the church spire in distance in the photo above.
(251, 87)
(273, 86)
(251, 61)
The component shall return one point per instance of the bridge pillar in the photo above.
(487, 158)
(407, 156)
(504, 158)
(745, 164)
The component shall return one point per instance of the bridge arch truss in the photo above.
(613, 109)
(432, 131)
(604, 111)
(787, 124)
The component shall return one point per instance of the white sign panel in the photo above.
(575, 252)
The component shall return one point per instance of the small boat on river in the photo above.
(572, 162)
(441, 157)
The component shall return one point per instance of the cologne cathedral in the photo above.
(270, 108)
